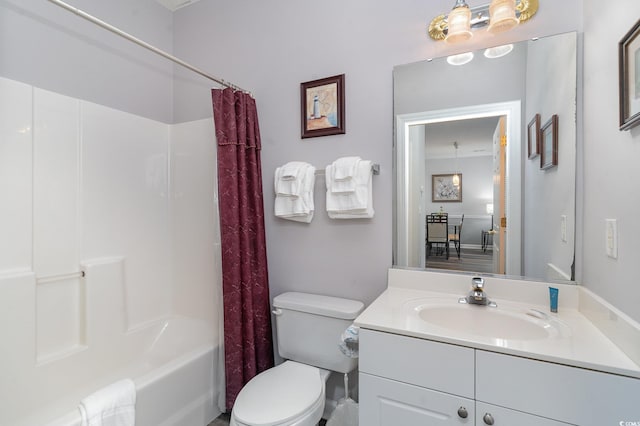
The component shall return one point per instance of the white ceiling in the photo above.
(173, 5)
(474, 137)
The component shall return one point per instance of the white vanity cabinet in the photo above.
(407, 381)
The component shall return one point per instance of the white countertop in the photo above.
(584, 345)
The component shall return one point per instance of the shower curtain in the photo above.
(247, 318)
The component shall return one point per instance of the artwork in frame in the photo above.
(549, 143)
(533, 137)
(322, 107)
(443, 189)
(629, 78)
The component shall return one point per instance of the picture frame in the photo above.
(629, 78)
(549, 143)
(443, 190)
(533, 137)
(322, 107)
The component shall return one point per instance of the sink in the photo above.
(503, 323)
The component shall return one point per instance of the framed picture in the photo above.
(549, 143)
(629, 78)
(533, 137)
(444, 190)
(322, 107)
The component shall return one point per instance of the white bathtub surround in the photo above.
(585, 346)
(130, 202)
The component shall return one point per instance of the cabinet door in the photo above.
(487, 414)
(385, 402)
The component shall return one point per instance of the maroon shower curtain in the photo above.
(247, 319)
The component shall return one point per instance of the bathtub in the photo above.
(174, 377)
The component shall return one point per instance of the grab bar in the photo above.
(59, 277)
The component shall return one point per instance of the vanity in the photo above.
(426, 359)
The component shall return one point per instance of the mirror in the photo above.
(517, 217)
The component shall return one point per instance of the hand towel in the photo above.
(113, 405)
(288, 178)
(358, 204)
(298, 208)
(343, 173)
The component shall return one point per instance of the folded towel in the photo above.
(345, 168)
(288, 178)
(298, 208)
(356, 204)
(113, 405)
(343, 172)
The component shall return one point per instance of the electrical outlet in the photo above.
(611, 238)
(563, 228)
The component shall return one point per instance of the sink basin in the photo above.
(496, 323)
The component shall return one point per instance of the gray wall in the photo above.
(270, 48)
(50, 48)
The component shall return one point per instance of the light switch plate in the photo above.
(611, 238)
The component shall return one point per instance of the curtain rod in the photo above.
(144, 44)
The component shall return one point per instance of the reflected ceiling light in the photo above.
(498, 51)
(460, 59)
(499, 16)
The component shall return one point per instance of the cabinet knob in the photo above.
(462, 412)
(488, 419)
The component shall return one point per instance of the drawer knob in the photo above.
(462, 412)
(488, 419)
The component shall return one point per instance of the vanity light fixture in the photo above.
(456, 176)
(498, 16)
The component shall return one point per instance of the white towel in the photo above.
(288, 178)
(358, 204)
(298, 208)
(343, 173)
(113, 405)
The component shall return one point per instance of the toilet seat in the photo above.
(287, 394)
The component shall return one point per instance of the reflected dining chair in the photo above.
(455, 236)
(437, 232)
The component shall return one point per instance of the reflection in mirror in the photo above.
(471, 120)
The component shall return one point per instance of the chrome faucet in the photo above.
(477, 296)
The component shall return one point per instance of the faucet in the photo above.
(477, 296)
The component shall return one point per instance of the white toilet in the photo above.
(308, 328)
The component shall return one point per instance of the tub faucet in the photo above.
(477, 296)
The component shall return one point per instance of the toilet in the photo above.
(308, 329)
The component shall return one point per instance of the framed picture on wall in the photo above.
(533, 137)
(322, 107)
(444, 189)
(549, 143)
(629, 78)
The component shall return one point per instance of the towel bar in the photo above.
(374, 167)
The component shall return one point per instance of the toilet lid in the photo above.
(279, 394)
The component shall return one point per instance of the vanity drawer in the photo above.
(438, 366)
(568, 394)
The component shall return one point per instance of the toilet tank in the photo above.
(309, 327)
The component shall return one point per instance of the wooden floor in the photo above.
(473, 260)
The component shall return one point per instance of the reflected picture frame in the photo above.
(549, 143)
(629, 78)
(322, 107)
(533, 137)
(443, 190)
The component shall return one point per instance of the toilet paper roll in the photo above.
(349, 341)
